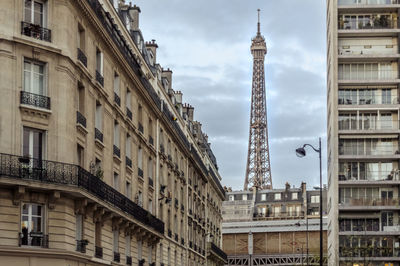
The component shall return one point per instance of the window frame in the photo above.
(33, 62)
(44, 4)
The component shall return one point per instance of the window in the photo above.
(290, 210)
(116, 134)
(139, 247)
(231, 197)
(115, 241)
(277, 196)
(128, 245)
(263, 197)
(150, 168)
(128, 189)
(97, 241)
(32, 224)
(277, 210)
(81, 98)
(128, 146)
(244, 197)
(81, 37)
(315, 199)
(116, 84)
(140, 158)
(128, 100)
(150, 254)
(35, 12)
(140, 198)
(99, 61)
(116, 181)
(34, 77)
(161, 254)
(298, 210)
(169, 256)
(79, 227)
(80, 155)
(150, 206)
(99, 116)
(294, 195)
(33, 143)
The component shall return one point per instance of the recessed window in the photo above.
(277, 196)
(33, 143)
(294, 195)
(34, 77)
(244, 197)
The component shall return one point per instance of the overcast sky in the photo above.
(207, 45)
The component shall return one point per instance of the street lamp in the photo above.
(301, 152)
(298, 224)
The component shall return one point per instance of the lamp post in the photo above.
(298, 224)
(301, 152)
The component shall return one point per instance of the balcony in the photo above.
(353, 52)
(80, 119)
(128, 161)
(353, 149)
(369, 177)
(82, 57)
(129, 113)
(128, 260)
(359, 98)
(98, 135)
(140, 128)
(117, 257)
(356, 126)
(36, 100)
(365, 77)
(116, 151)
(81, 245)
(369, 204)
(140, 172)
(217, 252)
(117, 99)
(51, 172)
(34, 239)
(35, 31)
(98, 252)
(99, 78)
(367, 2)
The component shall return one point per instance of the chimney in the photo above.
(168, 75)
(287, 186)
(151, 47)
(178, 97)
(134, 14)
(190, 112)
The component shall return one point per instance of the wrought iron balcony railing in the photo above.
(117, 99)
(140, 127)
(369, 175)
(367, 24)
(45, 171)
(129, 113)
(99, 78)
(128, 161)
(367, 202)
(82, 57)
(366, 75)
(216, 250)
(368, 2)
(36, 100)
(117, 257)
(35, 31)
(128, 260)
(35, 239)
(98, 252)
(116, 151)
(81, 245)
(80, 119)
(140, 172)
(141, 262)
(355, 97)
(352, 123)
(98, 135)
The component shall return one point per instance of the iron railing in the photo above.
(216, 250)
(116, 151)
(140, 172)
(80, 119)
(141, 262)
(117, 257)
(128, 260)
(129, 113)
(98, 252)
(367, 23)
(140, 127)
(98, 135)
(35, 31)
(128, 161)
(99, 78)
(117, 99)
(36, 100)
(82, 57)
(69, 174)
(35, 239)
(81, 245)
(367, 202)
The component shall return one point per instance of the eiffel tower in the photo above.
(258, 170)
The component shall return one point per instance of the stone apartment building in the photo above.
(273, 226)
(363, 132)
(101, 162)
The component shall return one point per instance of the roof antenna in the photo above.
(258, 24)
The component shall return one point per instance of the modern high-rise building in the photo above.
(363, 132)
(101, 162)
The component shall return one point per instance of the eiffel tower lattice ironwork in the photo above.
(258, 169)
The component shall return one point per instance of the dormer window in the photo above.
(277, 196)
(244, 197)
(231, 197)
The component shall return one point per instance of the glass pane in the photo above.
(28, 10)
(25, 149)
(36, 210)
(37, 145)
(38, 14)
(36, 225)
